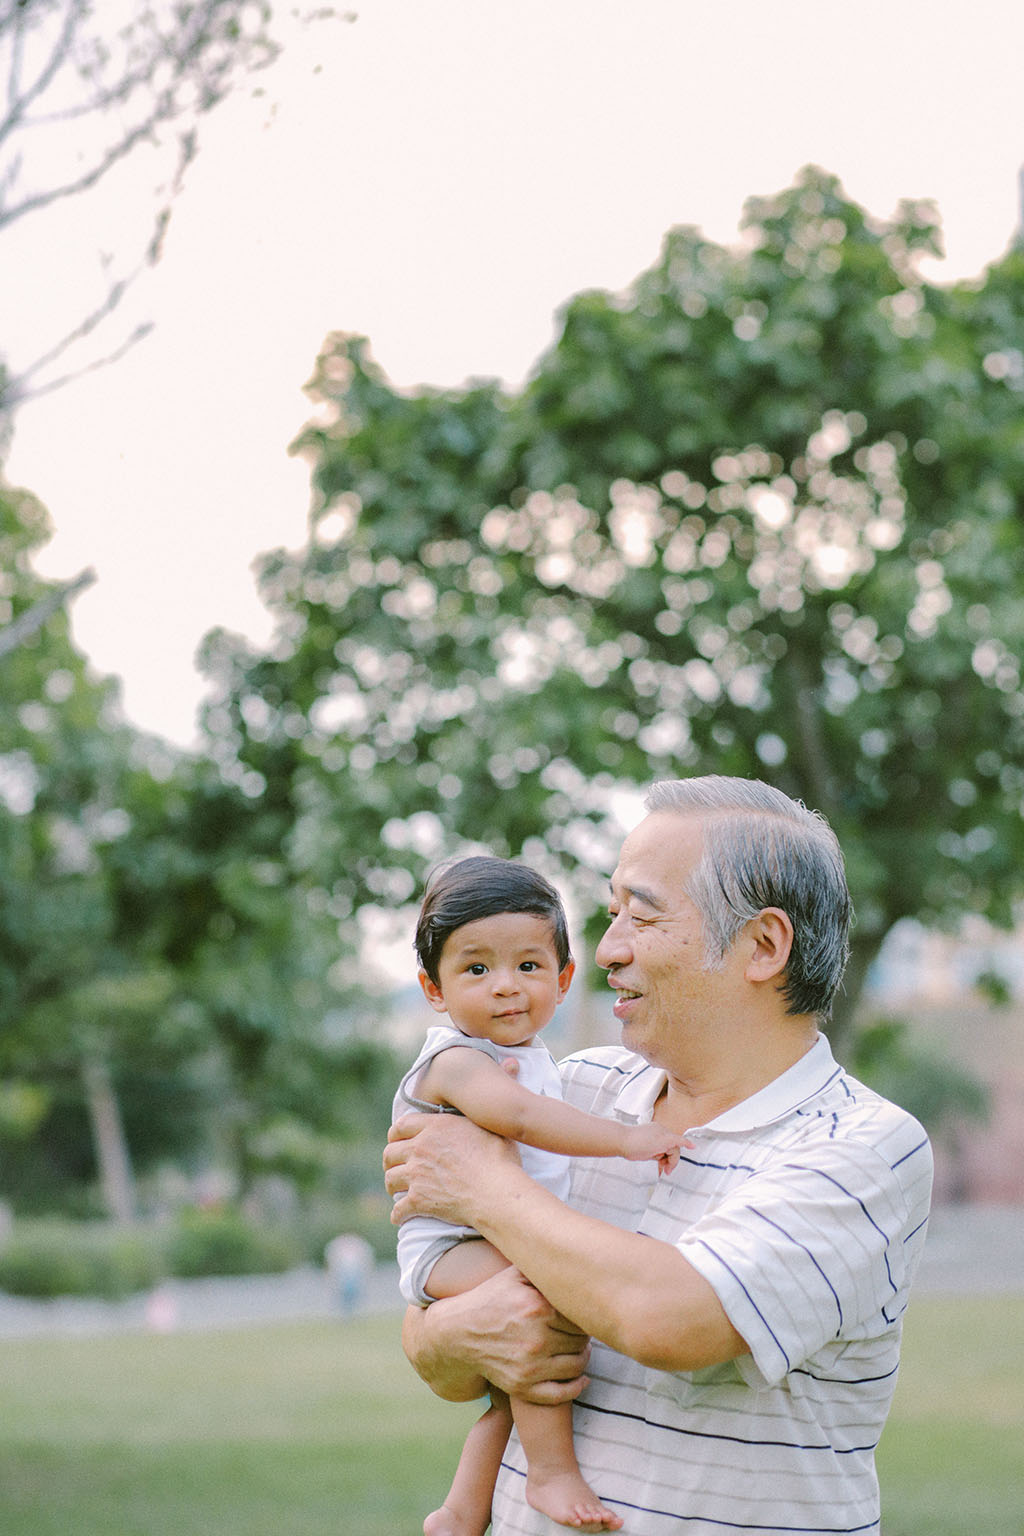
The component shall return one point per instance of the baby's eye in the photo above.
(528, 965)
(478, 969)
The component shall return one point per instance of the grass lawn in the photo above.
(951, 1461)
(316, 1428)
(298, 1430)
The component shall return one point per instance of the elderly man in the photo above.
(746, 1310)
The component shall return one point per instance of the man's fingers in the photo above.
(549, 1393)
(395, 1178)
(400, 1138)
(407, 1125)
(563, 1368)
(562, 1324)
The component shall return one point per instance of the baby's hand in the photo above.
(652, 1141)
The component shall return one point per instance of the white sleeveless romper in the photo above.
(423, 1239)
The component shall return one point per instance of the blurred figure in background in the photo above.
(349, 1260)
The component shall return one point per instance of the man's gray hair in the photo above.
(762, 849)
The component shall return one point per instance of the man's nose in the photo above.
(612, 948)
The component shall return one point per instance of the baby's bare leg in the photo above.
(554, 1483)
(466, 1510)
(466, 1265)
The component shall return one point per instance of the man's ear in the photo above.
(772, 934)
(432, 992)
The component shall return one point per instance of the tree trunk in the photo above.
(842, 1028)
(112, 1160)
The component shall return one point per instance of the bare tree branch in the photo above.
(13, 634)
(59, 53)
(92, 91)
(20, 390)
(89, 179)
(156, 77)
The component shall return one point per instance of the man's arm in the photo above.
(487, 1095)
(501, 1333)
(636, 1294)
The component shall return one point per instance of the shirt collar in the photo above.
(802, 1081)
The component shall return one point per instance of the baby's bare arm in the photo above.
(485, 1094)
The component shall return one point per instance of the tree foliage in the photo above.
(758, 514)
(70, 991)
(165, 987)
(146, 966)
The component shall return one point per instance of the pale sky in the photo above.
(450, 176)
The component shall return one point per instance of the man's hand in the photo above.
(439, 1165)
(502, 1332)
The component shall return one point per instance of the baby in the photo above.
(493, 948)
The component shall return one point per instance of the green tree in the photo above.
(209, 880)
(120, 880)
(759, 514)
(64, 760)
(166, 983)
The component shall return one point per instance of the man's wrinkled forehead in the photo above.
(658, 858)
(622, 890)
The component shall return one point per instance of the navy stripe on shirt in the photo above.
(726, 1525)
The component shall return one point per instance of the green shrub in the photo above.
(938, 1092)
(53, 1257)
(222, 1242)
(369, 1215)
(63, 1258)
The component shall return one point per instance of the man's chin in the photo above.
(629, 1034)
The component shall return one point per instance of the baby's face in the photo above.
(499, 978)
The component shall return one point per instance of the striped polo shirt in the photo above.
(805, 1209)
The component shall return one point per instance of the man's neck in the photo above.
(701, 1096)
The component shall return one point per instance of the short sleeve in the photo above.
(805, 1252)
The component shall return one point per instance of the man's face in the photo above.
(654, 946)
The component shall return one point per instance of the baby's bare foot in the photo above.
(568, 1500)
(448, 1522)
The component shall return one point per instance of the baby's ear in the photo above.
(432, 992)
(565, 976)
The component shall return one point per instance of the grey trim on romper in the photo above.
(430, 1256)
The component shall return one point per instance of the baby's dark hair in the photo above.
(483, 886)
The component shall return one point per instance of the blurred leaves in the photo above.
(758, 514)
(164, 980)
(940, 1093)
